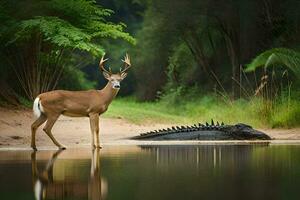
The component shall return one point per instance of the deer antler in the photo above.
(101, 65)
(127, 64)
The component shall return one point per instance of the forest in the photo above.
(234, 60)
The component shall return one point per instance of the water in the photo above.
(153, 173)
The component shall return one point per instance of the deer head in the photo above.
(115, 78)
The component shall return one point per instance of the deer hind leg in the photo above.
(48, 127)
(94, 123)
(35, 125)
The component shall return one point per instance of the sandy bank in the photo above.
(75, 132)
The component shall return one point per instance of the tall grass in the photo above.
(257, 111)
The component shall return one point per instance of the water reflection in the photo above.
(153, 172)
(47, 187)
(97, 186)
(42, 179)
(212, 156)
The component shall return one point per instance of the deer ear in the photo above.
(123, 75)
(106, 75)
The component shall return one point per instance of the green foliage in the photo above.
(285, 114)
(140, 112)
(218, 38)
(58, 33)
(151, 56)
(177, 95)
(78, 24)
(277, 56)
(255, 111)
(74, 79)
(185, 51)
(92, 18)
(182, 70)
(38, 38)
(25, 102)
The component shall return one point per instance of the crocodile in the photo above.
(213, 131)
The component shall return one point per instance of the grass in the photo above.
(286, 115)
(256, 112)
(143, 112)
(25, 102)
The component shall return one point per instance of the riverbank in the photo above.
(75, 132)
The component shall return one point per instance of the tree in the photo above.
(50, 34)
(221, 35)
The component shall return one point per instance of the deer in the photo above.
(48, 106)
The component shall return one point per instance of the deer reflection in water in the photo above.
(97, 187)
(46, 187)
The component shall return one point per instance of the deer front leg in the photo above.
(94, 123)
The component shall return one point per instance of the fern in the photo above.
(49, 35)
(277, 56)
(76, 25)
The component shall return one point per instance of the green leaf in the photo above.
(277, 56)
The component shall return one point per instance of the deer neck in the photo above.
(109, 93)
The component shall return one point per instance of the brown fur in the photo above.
(91, 103)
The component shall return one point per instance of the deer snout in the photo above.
(116, 84)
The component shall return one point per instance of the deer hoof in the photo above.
(62, 148)
(34, 148)
(98, 147)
